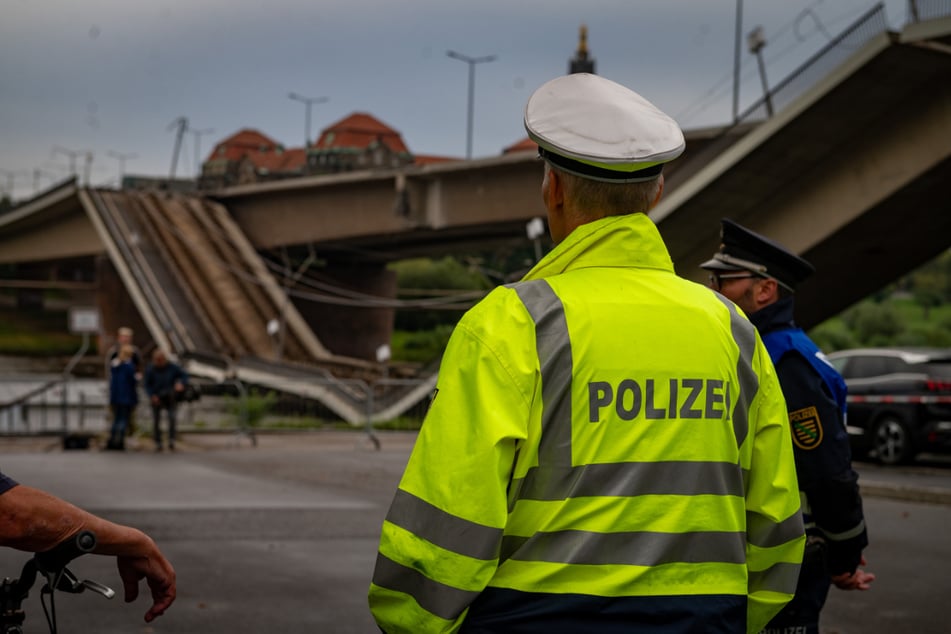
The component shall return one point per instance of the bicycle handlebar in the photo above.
(52, 565)
(56, 559)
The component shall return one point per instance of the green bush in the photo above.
(930, 335)
(37, 332)
(447, 274)
(420, 346)
(873, 324)
(251, 409)
(833, 335)
(402, 423)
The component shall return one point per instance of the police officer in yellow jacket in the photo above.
(608, 447)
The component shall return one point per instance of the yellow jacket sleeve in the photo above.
(775, 535)
(440, 542)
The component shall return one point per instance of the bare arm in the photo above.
(35, 521)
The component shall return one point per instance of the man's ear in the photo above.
(767, 291)
(556, 189)
(660, 191)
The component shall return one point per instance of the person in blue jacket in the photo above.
(164, 384)
(123, 395)
(761, 276)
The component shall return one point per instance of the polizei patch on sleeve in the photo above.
(806, 428)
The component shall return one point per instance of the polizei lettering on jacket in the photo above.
(652, 399)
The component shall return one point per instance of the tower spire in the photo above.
(580, 63)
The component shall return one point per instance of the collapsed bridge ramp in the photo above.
(357, 398)
(206, 295)
(195, 278)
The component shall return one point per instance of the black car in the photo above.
(899, 402)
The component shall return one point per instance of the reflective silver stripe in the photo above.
(767, 534)
(628, 479)
(444, 529)
(781, 577)
(554, 358)
(632, 548)
(849, 534)
(437, 598)
(744, 333)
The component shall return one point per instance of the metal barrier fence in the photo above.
(33, 406)
(51, 406)
(233, 405)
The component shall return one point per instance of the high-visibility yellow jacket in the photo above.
(607, 450)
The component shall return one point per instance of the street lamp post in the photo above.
(736, 60)
(121, 157)
(87, 167)
(72, 154)
(39, 172)
(471, 61)
(756, 41)
(308, 102)
(11, 177)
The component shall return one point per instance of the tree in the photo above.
(873, 324)
(438, 276)
(930, 285)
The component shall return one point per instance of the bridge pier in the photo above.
(350, 330)
(116, 308)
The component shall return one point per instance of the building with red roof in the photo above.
(249, 156)
(358, 141)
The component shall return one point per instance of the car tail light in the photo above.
(937, 385)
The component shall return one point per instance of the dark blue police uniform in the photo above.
(816, 400)
(6, 483)
(832, 511)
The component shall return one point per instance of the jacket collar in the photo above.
(776, 316)
(625, 241)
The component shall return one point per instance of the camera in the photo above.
(190, 394)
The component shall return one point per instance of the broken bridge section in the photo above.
(199, 284)
(207, 296)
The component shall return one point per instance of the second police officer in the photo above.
(761, 276)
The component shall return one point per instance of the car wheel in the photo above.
(892, 441)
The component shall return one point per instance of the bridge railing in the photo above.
(810, 72)
(791, 87)
(921, 10)
(872, 23)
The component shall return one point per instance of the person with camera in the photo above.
(165, 384)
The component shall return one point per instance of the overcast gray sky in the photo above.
(111, 76)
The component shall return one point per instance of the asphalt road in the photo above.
(282, 537)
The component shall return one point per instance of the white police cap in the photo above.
(596, 128)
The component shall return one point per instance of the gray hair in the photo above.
(609, 199)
